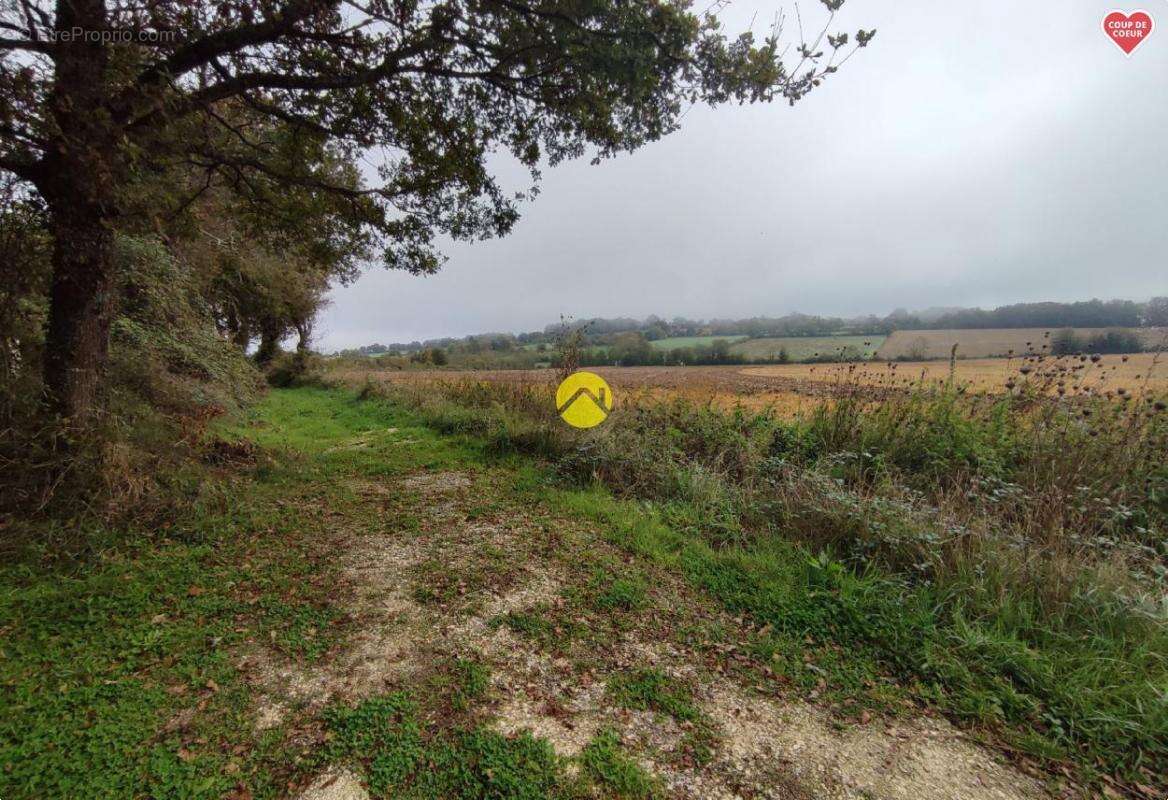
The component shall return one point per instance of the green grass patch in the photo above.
(650, 689)
(118, 673)
(385, 739)
(552, 629)
(613, 591)
(441, 582)
(620, 777)
(117, 676)
(469, 682)
(808, 348)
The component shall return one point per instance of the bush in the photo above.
(169, 372)
(164, 347)
(1115, 341)
(1067, 342)
(431, 355)
(299, 368)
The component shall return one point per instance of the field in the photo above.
(990, 375)
(432, 588)
(723, 385)
(235, 565)
(801, 348)
(691, 341)
(989, 342)
(961, 547)
(794, 388)
(384, 609)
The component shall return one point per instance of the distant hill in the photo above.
(600, 331)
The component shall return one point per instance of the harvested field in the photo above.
(791, 388)
(991, 342)
(1082, 374)
(724, 386)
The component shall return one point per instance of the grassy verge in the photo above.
(1001, 561)
(121, 668)
(119, 671)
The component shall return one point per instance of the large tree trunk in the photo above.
(303, 333)
(81, 305)
(81, 177)
(270, 335)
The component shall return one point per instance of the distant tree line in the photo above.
(633, 349)
(1087, 314)
(608, 332)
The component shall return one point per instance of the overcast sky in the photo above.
(976, 153)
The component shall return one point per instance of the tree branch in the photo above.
(28, 45)
(21, 168)
(202, 51)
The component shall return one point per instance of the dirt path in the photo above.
(518, 590)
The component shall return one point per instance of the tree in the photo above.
(1065, 342)
(1156, 313)
(267, 277)
(720, 351)
(96, 95)
(630, 349)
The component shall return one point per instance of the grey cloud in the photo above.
(974, 154)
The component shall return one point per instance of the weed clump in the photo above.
(400, 756)
(620, 775)
(650, 689)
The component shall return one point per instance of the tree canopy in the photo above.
(98, 95)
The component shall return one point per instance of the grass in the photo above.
(118, 676)
(385, 738)
(650, 689)
(867, 546)
(441, 583)
(832, 538)
(95, 665)
(622, 778)
(120, 672)
(807, 348)
(617, 592)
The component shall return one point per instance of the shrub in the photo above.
(1065, 343)
(431, 355)
(169, 372)
(1115, 341)
(299, 368)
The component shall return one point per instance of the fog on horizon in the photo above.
(972, 155)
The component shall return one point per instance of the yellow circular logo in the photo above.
(583, 400)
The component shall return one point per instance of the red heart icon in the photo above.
(1128, 31)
